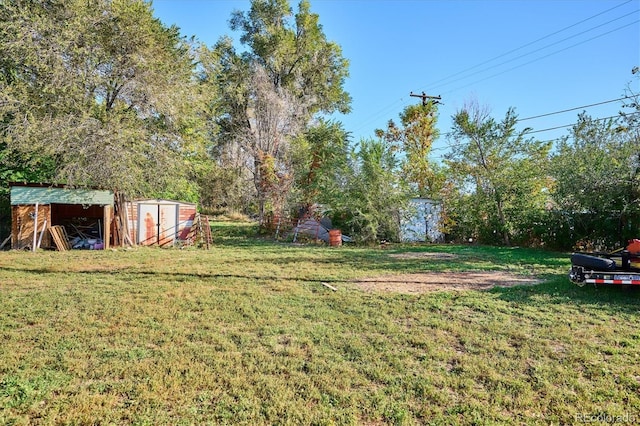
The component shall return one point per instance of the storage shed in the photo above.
(420, 221)
(159, 222)
(35, 208)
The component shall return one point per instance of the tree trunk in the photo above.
(503, 221)
(260, 193)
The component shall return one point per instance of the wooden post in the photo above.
(35, 229)
(44, 229)
(106, 225)
(424, 97)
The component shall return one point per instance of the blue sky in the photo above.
(538, 56)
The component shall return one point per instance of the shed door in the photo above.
(168, 223)
(157, 224)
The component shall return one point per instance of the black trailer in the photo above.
(618, 268)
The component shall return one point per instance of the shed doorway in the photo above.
(82, 212)
(157, 224)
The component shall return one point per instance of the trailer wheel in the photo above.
(593, 262)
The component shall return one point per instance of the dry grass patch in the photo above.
(444, 281)
(424, 255)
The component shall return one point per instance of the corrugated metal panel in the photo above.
(162, 201)
(45, 195)
(420, 222)
(144, 215)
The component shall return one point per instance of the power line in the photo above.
(530, 43)
(548, 114)
(384, 110)
(569, 125)
(543, 57)
(453, 145)
(553, 44)
(573, 109)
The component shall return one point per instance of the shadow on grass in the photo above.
(133, 274)
(558, 289)
(376, 260)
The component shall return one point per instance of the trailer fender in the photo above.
(593, 262)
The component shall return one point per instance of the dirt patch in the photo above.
(428, 282)
(424, 255)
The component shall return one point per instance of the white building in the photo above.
(420, 221)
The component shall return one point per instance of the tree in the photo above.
(499, 175)
(415, 139)
(292, 62)
(257, 123)
(321, 162)
(596, 175)
(596, 171)
(375, 194)
(102, 90)
(227, 181)
(295, 53)
(274, 120)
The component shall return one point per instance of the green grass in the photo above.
(246, 334)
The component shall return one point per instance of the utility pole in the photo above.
(424, 97)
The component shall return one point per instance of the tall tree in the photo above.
(101, 88)
(498, 173)
(415, 138)
(225, 77)
(305, 72)
(295, 53)
(274, 120)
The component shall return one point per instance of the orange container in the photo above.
(634, 246)
(335, 237)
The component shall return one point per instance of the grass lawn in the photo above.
(246, 333)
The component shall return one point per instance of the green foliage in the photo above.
(224, 179)
(101, 93)
(295, 52)
(321, 162)
(499, 178)
(221, 188)
(597, 183)
(374, 194)
(102, 89)
(268, 95)
(414, 140)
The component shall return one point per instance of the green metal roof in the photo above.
(50, 195)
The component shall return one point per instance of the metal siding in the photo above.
(32, 195)
(147, 225)
(420, 221)
(185, 221)
(180, 224)
(168, 218)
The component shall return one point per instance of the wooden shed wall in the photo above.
(55, 204)
(22, 225)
